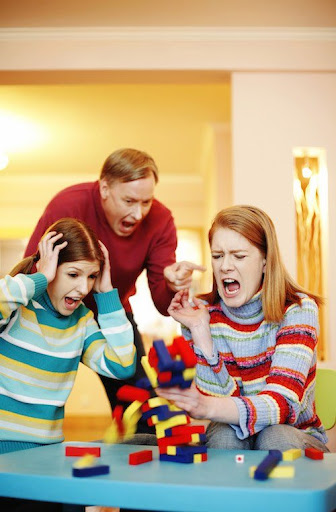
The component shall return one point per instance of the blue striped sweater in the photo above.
(267, 368)
(40, 351)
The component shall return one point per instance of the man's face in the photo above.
(126, 204)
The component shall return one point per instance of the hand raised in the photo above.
(179, 275)
(48, 252)
(103, 282)
(187, 314)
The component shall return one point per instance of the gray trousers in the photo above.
(276, 437)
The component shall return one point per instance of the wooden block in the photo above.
(141, 457)
(314, 453)
(267, 464)
(292, 454)
(79, 451)
(277, 472)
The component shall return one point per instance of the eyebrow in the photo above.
(231, 252)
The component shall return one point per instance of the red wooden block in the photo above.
(313, 453)
(79, 451)
(164, 377)
(172, 349)
(174, 440)
(186, 352)
(117, 414)
(153, 358)
(188, 429)
(131, 393)
(136, 458)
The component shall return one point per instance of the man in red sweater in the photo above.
(138, 231)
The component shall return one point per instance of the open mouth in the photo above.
(71, 303)
(231, 287)
(128, 225)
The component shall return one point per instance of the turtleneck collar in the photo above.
(45, 302)
(247, 314)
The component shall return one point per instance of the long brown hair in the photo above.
(82, 245)
(257, 227)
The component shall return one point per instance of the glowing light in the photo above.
(17, 133)
(306, 172)
(4, 161)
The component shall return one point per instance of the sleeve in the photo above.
(162, 254)
(291, 375)
(108, 347)
(18, 291)
(212, 377)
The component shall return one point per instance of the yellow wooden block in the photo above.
(157, 401)
(112, 435)
(180, 419)
(197, 458)
(195, 438)
(189, 373)
(150, 372)
(277, 472)
(87, 461)
(292, 454)
(171, 450)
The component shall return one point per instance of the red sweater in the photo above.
(151, 246)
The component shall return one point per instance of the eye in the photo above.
(93, 276)
(240, 256)
(73, 275)
(216, 256)
(128, 201)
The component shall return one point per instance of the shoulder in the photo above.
(304, 314)
(160, 211)
(78, 191)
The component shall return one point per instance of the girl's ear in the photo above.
(264, 265)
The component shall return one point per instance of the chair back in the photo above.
(325, 396)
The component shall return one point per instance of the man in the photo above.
(138, 231)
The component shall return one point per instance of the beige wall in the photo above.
(273, 113)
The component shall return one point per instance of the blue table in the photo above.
(218, 484)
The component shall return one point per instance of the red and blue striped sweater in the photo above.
(267, 368)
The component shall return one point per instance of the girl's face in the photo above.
(72, 283)
(238, 267)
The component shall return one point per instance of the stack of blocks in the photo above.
(165, 366)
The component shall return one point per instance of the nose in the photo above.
(137, 212)
(83, 286)
(227, 263)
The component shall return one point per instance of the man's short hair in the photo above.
(128, 165)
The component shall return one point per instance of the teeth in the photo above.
(229, 280)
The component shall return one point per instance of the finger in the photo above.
(189, 265)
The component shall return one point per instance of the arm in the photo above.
(212, 376)
(18, 291)
(109, 350)
(108, 346)
(288, 391)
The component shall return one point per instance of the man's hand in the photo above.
(178, 276)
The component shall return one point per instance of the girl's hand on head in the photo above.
(190, 316)
(103, 282)
(48, 262)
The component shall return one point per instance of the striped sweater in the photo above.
(267, 368)
(40, 351)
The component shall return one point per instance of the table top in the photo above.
(46, 474)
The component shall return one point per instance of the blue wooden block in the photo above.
(91, 471)
(267, 464)
(166, 362)
(189, 449)
(144, 383)
(161, 412)
(184, 459)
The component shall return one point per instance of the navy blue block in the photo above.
(144, 383)
(166, 363)
(265, 467)
(190, 449)
(91, 471)
(185, 459)
(161, 412)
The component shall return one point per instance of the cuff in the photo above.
(40, 283)
(108, 302)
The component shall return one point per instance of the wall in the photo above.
(272, 113)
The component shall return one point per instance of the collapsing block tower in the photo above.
(165, 366)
